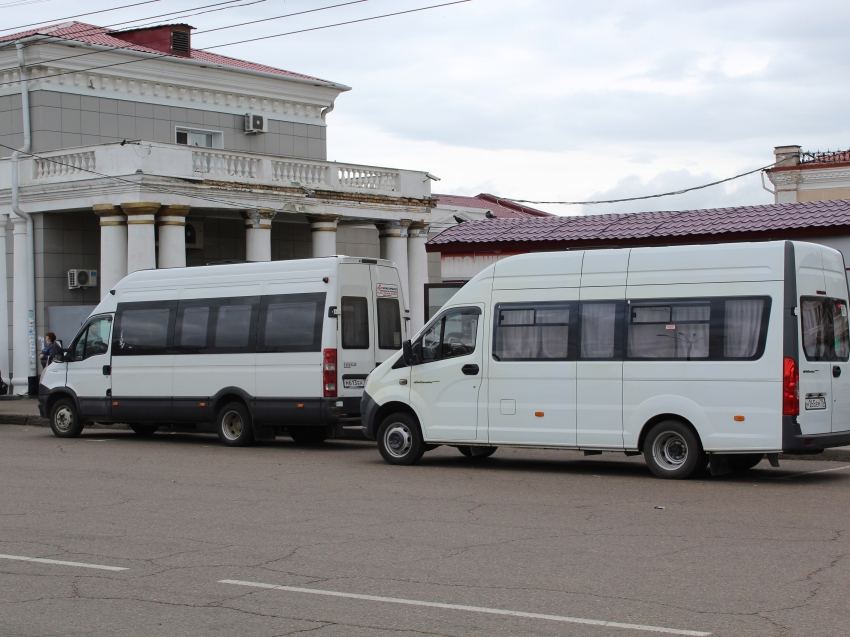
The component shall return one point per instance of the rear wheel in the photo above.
(233, 425)
(307, 435)
(672, 450)
(744, 461)
(144, 430)
(64, 419)
(400, 439)
(477, 452)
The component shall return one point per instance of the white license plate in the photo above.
(816, 403)
(351, 383)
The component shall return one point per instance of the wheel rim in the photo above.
(232, 425)
(63, 419)
(398, 440)
(670, 451)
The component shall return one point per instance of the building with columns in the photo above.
(122, 151)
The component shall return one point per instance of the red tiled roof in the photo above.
(502, 208)
(82, 32)
(650, 226)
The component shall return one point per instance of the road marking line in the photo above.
(474, 609)
(42, 560)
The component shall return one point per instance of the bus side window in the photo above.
(355, 322)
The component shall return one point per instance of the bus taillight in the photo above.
(790, 388)
(329, 373)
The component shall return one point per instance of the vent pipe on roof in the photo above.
(787, 155)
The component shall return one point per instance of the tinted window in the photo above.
(233, 326)
(825, 329)
(389, 324)
(143, 328)
(677, 330)
(599, 330)
(292, 323)
(533, 332)
(192, 325)
(742, 324)
(355, 322)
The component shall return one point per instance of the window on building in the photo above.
(201, 138)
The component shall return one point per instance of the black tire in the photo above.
(672, 450)
(400, 439)
(64, 419)
(477, 453)
(144, 430)
(307, 435)
(233, 425)
(744, 461)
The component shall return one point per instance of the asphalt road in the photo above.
(249, 542)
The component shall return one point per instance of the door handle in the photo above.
(836, 371)
(470, 369)
(107, 370)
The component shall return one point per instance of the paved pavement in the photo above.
(329, 541)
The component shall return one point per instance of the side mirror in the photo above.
(59, 356)
(407, 353)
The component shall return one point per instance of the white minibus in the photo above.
(245, 350)
(690, 355)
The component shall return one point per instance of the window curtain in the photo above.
(598, 325)
(517, 334)
(743, 324)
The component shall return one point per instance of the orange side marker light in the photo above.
(739, 419)
(539, 414)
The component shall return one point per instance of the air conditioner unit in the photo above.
(194, 234)
(82, 279)
(256, 123)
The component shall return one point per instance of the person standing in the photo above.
(48, 351)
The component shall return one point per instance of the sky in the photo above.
(552, 100)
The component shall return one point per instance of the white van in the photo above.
(686, 354)
(244, 350)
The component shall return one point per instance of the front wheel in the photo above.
(400, 439)
(234, 425)
(64, 419)
(672, 450)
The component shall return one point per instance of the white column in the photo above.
(4, 297)
(393, 238)
(417, 273)
(20, 303)
(141, 236)
(113, 246)
(323, 229)
(172, 236)
(258, 234)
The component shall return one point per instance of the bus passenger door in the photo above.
(391, 319)
(356, 342)
(835, 278)
(599, 369)
(814, 358)
(445, 385)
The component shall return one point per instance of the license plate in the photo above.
(351, 383)
(816, 403)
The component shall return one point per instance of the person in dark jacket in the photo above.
(48, 351)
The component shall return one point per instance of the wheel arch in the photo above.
(59, 393)
(229, 395)
(394, 407)
(649, 424)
